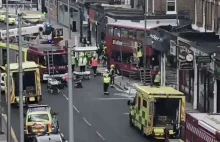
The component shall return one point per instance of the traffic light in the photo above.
(44, 10)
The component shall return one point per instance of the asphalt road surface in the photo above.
(97, 117)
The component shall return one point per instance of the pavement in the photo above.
(97, 117)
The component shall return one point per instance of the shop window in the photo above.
(117, 32)
(124, 33)
(110, 31)
(132, 34)
(140, 35)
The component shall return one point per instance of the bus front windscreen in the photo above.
(60, 59)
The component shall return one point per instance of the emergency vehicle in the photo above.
(156, 108)
(31, 83)
(51, 58)
(40, 119)
(199, 127)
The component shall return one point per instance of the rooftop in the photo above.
(45, 47)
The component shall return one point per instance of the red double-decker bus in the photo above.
(122, 40)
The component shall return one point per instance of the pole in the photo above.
(70, 93)
(8, 80)
(48, 15)
(69, 30)
(21, 107)
(145, 45)
(1, 132)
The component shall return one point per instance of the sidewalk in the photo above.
(128, 86)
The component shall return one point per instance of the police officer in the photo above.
(73, 62)
(139, 54)
(112, 74)
(157, 79)
(106, 81)
(82, 62)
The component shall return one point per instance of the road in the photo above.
(97, 117)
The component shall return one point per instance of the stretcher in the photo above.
(81, 75)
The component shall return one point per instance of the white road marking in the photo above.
(73, 105)
(106, 99)
(100, 135)
(87, 121)
(126, 113)
(124, 95)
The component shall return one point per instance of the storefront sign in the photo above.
(203, 59)
(185, 56)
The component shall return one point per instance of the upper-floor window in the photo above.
(110, 31)
(117, 32)
(171, 7)
(124, 32)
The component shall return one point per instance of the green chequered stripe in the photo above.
(140, 117)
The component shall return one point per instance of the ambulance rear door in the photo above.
(150, 118)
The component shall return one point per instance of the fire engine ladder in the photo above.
(50, 64)
(147, 75)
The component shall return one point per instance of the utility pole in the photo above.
(8, 79)
(145, 42)
(1, 131)
(21, 106)
(70, 83)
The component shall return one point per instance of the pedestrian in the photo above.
(94, 65)
(73, 62)
(106, 81)
(82, 62)
(157, 79)
(112, 74)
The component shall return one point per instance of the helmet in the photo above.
(106, 70)
(112, 66)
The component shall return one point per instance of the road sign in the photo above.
(203, 59)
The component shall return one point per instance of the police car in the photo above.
(50, 138)
(40, 119)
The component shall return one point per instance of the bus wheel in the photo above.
(130, 121)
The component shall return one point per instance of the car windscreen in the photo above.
(59, 59)
(38, 117)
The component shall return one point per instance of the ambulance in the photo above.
(31, 83)
(155, 110)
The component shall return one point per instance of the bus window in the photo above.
(124, 33)
(42, 60)
(116, 55)
(126, 57)
(140, 35)
(117, 32)
(110, 31)
(132, 34)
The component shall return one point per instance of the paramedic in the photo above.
(139, 55)
(94, 64)
(157, 79)
(112, 74)
(106, 81)
(82, 62)
(89, 57)
(73, 62)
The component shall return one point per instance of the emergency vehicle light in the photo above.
(207, 127)
(49, 41)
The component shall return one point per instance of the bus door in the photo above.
(150, 117)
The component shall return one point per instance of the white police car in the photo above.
(50, 138)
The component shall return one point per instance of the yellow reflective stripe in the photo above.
(38, 82)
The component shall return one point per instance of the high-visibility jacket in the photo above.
(112, 71)
(157, 78)
(82, 61)
(94, 62)
(139, 54)
(73, 60)
(89, 54)
(106, 78)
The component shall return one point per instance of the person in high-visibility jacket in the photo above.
(106, 81)
(139, 55)
(82, 63)
(112, 73)
(89, 57)
(73, 62)
(157, 79)
(94, 64)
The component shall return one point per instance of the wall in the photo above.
(63, 16)
(51, 9)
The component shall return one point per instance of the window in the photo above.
(140, 35)
(117, 32)
(110, 31)
(132, 34)
(145, 103)
(60, 60)
(124, 33)
(139, 103)
(42, 60)
(151, 111)
(171, 6)
(38, 118)
(126, 57)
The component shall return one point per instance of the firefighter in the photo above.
(82, 62)
(139, 55)
(157, 79)
(106, 81)
(94, 64)
(104, 55)
(89, 57)
(73, 62)
(112, 74)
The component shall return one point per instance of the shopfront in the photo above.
(63, 16)
(217, 77)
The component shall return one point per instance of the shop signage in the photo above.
(203, 59)
(185, 56)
